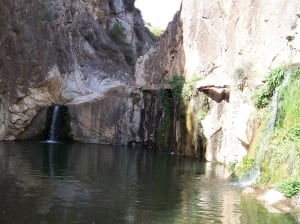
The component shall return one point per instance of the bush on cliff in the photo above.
(277, 148)
(118, 35)
(262, 97)
(281, 157)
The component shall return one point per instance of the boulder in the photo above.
(110, 118)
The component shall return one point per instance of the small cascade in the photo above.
(252, 175)
(54, 124)
(275, 102)
(57, 127)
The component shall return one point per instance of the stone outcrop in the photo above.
(237, 43)
(111, 118)
(61, 51)
(226, 43)
(165, 59)
(275, 202)
(213, 90)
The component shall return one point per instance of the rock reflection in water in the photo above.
(77, 183)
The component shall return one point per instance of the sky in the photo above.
(158, 12)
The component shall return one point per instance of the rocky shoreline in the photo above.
(274, 201)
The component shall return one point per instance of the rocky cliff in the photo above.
(229, 45)
(97, 58)
(80, 53)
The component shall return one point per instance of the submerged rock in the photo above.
(274, 201)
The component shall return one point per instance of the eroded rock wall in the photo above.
(166, 59)
(57, 51)
(230, 44)
(236, 43)
(113, 118)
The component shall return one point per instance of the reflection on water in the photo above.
(78, 183)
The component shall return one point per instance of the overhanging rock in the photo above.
(214, 89)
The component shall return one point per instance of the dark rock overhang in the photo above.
(215, 92)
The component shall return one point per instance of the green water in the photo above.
(92, 184)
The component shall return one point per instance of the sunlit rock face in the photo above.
(236, 43)
(57, 51)
(227, 43)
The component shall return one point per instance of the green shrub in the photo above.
(281, 145)
(117, 34)
(170, 102)
(176, 83)
(289, 109)
(188, 90)
(201, 114)
(244, 166)
(289, 187)
(155, 32)
(262, 98)
(275, 78)
(166, 102)
(166, 123)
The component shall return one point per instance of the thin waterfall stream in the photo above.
(254, 173)
(54, 125)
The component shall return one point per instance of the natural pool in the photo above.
(83, 183)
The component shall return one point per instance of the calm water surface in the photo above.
(81, 183)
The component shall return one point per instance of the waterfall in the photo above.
(252, 175)
(275, 102)
(53, 132)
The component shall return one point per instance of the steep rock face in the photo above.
(181, 134)
(151, 114)
(113, 118)
(57, 51)
(165, 59)
(233, 44)
(236, 43)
